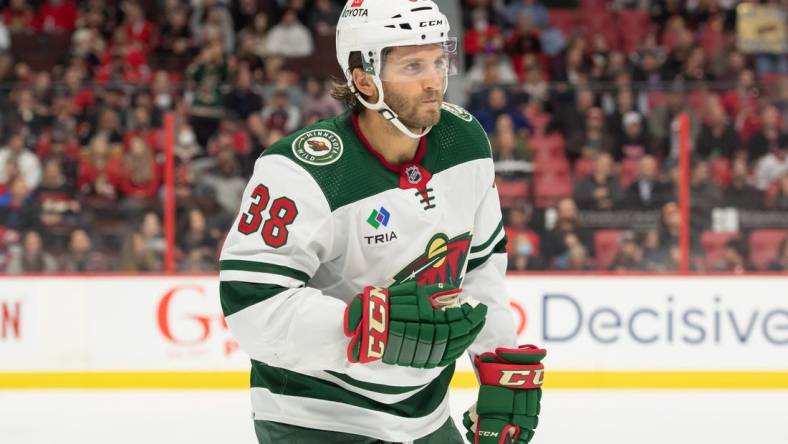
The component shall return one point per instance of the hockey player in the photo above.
(341, 275)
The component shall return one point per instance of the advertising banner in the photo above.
(169, 331)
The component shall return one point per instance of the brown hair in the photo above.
(342, 92)
(339, 89)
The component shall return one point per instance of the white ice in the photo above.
(568, 417)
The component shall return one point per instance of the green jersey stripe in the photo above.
(487, 243)
(500, 247)
(379, 388)
(289, 383)
(263, 267)
(236, 296)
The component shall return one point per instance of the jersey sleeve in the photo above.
(282, 234)
(484, 277)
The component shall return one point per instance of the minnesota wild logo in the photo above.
(442, 261)
(318, 147)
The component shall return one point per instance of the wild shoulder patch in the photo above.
(318, 147)
(457, 111)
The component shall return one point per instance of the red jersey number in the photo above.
(283, 212)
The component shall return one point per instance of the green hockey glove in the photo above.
(507, 409)
(412, 325)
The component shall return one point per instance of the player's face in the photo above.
(413, 84)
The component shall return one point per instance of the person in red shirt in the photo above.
(56, 16)
(18, 16)
(137, 28)
(140, 176)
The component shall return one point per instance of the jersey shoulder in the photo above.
(331, 153)
(460, 137)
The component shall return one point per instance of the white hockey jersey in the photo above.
(323, 216)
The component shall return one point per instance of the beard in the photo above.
(412, 112)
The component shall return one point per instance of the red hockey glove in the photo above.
(507, 408)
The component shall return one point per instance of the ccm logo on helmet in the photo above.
(430, 23)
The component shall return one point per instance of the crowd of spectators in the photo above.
(579, 106)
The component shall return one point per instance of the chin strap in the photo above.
(384, 109)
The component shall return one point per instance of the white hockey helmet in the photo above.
(370, 26)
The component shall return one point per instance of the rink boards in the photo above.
(713, 332)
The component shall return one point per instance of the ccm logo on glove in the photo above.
(514, 378)
(378, 319)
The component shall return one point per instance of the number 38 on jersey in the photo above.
(282, 213)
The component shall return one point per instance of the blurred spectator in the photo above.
(661, 120)
(280, 114)
(224, 177)
(152, 234)
(136, 256)
(100, 173)
(740, 193)
(498, 104)
(18, 16)
(482, 36)
(81, 257)
(717, 137)
(630, 254)
(243, 13)
(289, 37)
(212, 23)
(770, 137)
(318, 100)
(56, 201)
(601, 191)
(30, 257)
(28, 165)
(670, 225)
(616, 110)
(577, 259)
(705, 195)
(323, 17)
(772, 166)
(17, 207)
(27, 113)
(647, 70)
(532, 9)
(244, 99)
(197, 261)
(656, 257)
(594, 140)
(137, 27)
(565, 234)
(571, 120)
(518, 225)
(777, 199)
(139, 176)
(206, 77)
(648, 191)
(195, 235)
(56, 16)
(734, 258)
(257, 33)
(489, 71)
(780, 262)
(510, 152)
(216, 218)
(176, 40)
(633, 143)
